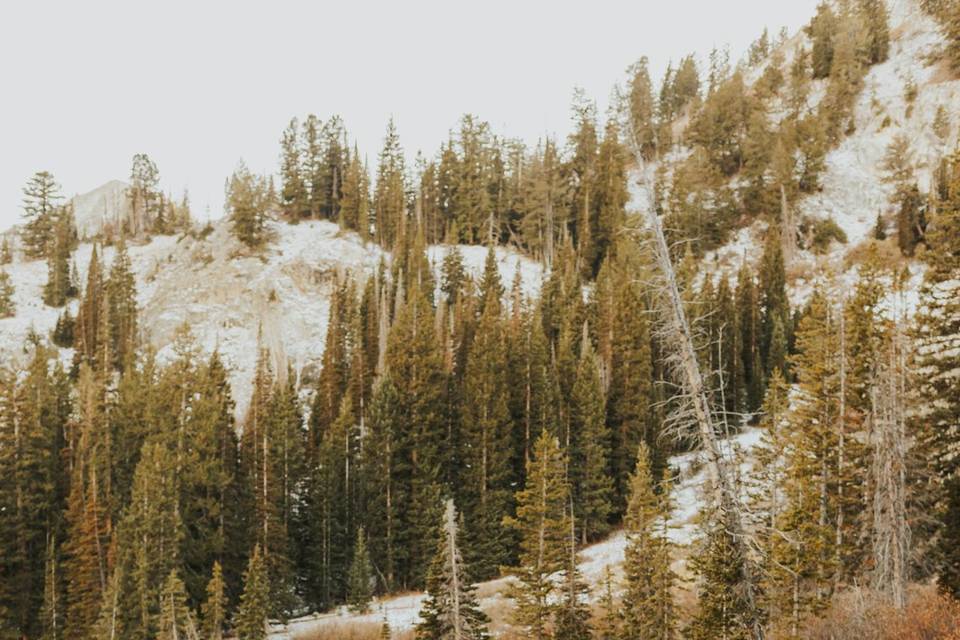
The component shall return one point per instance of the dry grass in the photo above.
(864, 615)
(886, 251)
(352, 631)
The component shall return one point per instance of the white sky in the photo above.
(199, 85)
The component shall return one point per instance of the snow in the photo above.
(228, 296)
(402, 612)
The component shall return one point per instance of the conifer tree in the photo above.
(878, 30)
(251, 620)
(246, 206)
(175, 620)
(58, 287)
(775, 319)
(450, 610)
(938, 329)
(6, 252)
(121, 292)
(589, 454)
(722, 610)
(486, 441)
(7, 306)
(642, 108)
(822, 30)
(355, 204)
(293, 192)
(389, 198)
(40, 198)
(214, 607)
(543, 523)
(52, 612)
(647, 606)
(360, 576)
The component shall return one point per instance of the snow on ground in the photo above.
(402, 612)
(228, 297)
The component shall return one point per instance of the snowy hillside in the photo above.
(853, 189)
(402, 612)
(107, 204)
(227, 296)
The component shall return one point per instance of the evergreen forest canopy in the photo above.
(460, 429)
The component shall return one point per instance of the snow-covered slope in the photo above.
(227, 296)
(402, 612)
(108, 203)
(853, 187)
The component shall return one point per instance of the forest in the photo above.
(460, 429)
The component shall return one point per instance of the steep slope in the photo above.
(227, 297)
(108, 203)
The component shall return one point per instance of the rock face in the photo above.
(107, 203)
(230, 298)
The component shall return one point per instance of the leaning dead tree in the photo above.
(695, 401)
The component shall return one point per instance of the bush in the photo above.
(822, 233)
(866, 615)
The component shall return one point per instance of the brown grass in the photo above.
(864, 615)
(352, 631)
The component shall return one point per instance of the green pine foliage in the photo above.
(246, 206)
(8, 307)
(213, 613)
(40, 198)
(450, 610)
(360, 577)
(251, 619)
(647, 606)
(543, 524)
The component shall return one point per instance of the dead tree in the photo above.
(681, 359)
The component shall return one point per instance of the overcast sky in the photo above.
(198, 85)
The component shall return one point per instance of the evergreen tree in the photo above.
(214, 607)
(251, 619)
(450, 610)
(642, 108)
(121, 292)
(722, 610)
(40, 198)
(938, 328)
(878, 30)
(246, 206)
(648, 606)
(6, 252)
(175, 619)
(360, 577)
(822, 30)
(389, 198)
(589, 450)
(543, 523)
(293, 192)
(486, 440)
(775, 319)
(7, 306)
(58, 287)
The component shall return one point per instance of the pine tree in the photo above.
(251, 620)
(486, 441)
(389, 198)
(648, 606)
(7, 306)
(121, 292)
(722, 610)
(246, 206)
(214, 607)
(543, 523)
(6, 252)
(822, 30)
(52, 612)
(58, 287)
(775, 320)
(450, 610)
(360, 576)
(355, 204)
(40, 198)
(878, 30)
(938, 330)
(146, 200)
(642, 108)
(293, 192)
(590, 449)
(175, 620)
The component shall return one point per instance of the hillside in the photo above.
(228, 297)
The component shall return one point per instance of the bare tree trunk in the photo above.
(686, 368)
